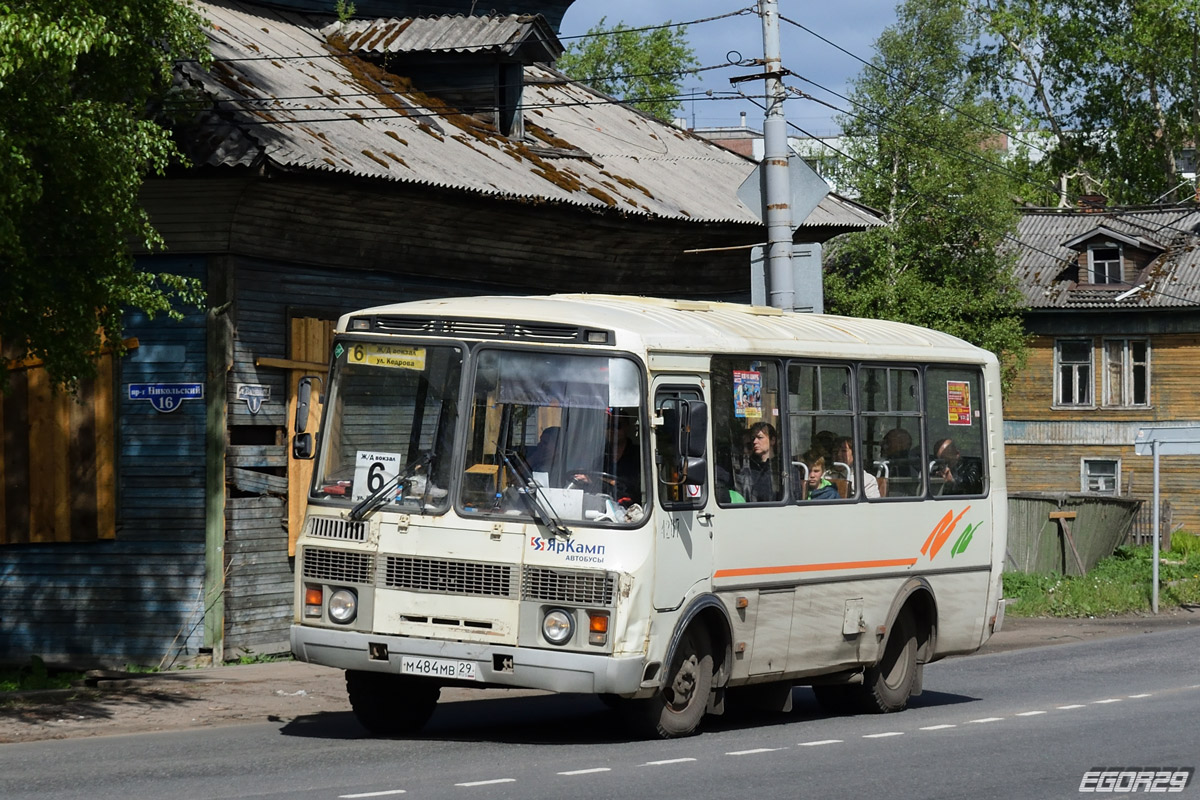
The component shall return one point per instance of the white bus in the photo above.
(670, 504)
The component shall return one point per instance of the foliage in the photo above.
(81, 82)
(1120, 584)
(35, 676)
(917, 145)
(644, 69)
(1115, 84)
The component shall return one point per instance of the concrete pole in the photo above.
(781, 289)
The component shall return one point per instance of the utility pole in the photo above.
(781, 288)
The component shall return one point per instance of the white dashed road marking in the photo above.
(586, 771)
(488, 783)
(1068, 708)
(370, 794)
(1109, 700)
(668, 761)
(883, 735)
(938, 727)
(1030, 713)
(753, 752)
(985, 719)
(820, 742)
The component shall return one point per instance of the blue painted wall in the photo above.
(136, 599)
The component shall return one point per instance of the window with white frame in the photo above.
(1104, 263)
(1126, 372)
(1073, 372)
(1101, 475)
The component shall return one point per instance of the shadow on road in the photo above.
(566, 720)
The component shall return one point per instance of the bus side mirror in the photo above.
(302, 446)
(302, 442)
(686, 423)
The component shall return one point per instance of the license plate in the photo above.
(438, 668)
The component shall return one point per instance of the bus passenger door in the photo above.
(683, 532)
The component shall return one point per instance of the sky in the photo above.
(852, 25)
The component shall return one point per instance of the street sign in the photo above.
(1183, 441)
(807, 190)
(166, 397)
(806, 269)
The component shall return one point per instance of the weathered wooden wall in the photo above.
(1045, 445)
(136, 598)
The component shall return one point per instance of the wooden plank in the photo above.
(309, 367)
(44, 457)
(246, 455)
(1062, 515)
(106, 451)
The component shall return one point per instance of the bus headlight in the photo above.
(343, 606)
(557, 626)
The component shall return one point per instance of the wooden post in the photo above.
(1063, 518)
(220, 359)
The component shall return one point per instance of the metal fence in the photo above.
(1142, 530)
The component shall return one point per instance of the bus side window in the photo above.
(749, 458)
(954, 431)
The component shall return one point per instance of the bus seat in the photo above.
(883, 482)
(843, 486)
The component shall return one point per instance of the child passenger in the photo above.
(818, 486)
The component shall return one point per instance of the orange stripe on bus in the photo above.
(747, 571)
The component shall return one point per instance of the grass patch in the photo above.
(1119, 584)
(35, 675)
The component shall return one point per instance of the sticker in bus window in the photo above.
(747, 394)
(958, 402)
(387, 355)
(373, 471)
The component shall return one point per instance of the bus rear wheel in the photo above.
(391, 705)
(677, 708)
(888, 684)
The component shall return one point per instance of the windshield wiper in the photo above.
(528, 488)
(378, 497)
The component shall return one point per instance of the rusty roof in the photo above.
(506, 35)
(1170, 280)
(288, 92)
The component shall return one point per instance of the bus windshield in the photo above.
(389, 433)
(564, 427)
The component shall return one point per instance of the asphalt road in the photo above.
(1023, 724)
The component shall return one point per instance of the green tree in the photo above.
(920, 153)
(1115, 83)
(642, 68)
(81, 82)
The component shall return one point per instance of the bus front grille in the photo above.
(448, 577)
(340, 529)
(338, 566)
(560, 586)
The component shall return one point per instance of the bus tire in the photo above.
(677, 708)
(888, 685)
(391, 705)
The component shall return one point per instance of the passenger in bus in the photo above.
(960, 475)
(843, 452)
(758, 481)
(896, 450)
(817, 487)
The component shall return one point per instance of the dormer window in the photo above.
(1104, 263)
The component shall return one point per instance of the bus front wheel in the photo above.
(391, 705)
(677, 708)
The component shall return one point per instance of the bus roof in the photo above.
(677, 325)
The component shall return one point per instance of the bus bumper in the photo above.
(551, 670)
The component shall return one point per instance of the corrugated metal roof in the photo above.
(678, 324)
(456, 34)
(284, 96)
(1172, 280)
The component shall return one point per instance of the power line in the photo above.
(614, 32)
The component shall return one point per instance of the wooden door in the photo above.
(309, 339)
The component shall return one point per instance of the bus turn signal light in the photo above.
(312, 601)
(597, 627)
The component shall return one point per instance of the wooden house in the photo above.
(1113, 300)
(333, 166)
